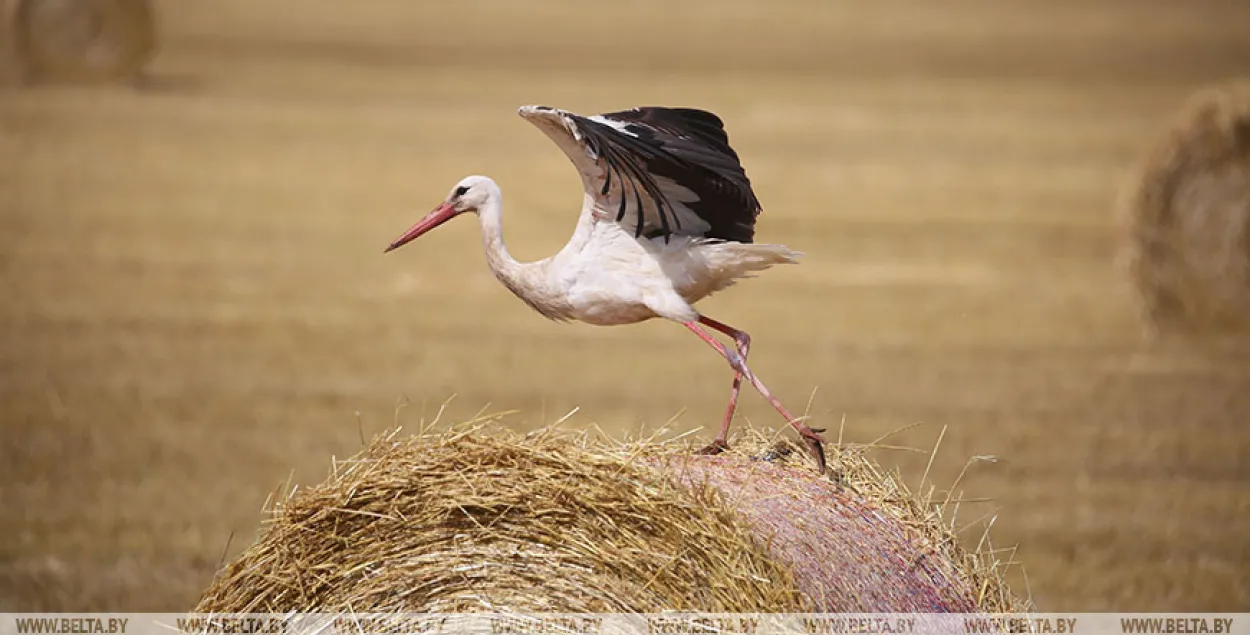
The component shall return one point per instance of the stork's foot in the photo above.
(818, 451)
(815, 444)
(716, 447)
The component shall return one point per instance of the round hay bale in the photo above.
(1186, 216)
(84, 40)
(548, 522)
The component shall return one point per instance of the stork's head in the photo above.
(469, 195)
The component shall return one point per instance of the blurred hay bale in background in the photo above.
(12, 70)
(76, 40)
(1187, 219)
(466, 521)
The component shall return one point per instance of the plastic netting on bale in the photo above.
(473, 520)
(846, 551)
(1186, 215)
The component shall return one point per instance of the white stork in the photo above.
(668, 218)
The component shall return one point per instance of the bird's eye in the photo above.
(460, 191)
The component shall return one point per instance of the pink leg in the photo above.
(736, 361)
(743, 341)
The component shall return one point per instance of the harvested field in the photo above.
(196, 306)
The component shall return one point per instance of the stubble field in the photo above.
(196, 305)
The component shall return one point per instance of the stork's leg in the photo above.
(813, 440)
(743, 342)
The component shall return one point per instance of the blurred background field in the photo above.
(196, 306)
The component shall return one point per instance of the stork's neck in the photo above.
(501, 262)
(526, 280)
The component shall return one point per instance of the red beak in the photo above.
(438, 216)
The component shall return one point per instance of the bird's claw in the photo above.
(714, 448)
(818, 452)
(811, 436)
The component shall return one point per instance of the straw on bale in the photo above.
(78, 40)
(466, 521)
(1186, 216)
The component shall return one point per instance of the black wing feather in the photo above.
(688, 146)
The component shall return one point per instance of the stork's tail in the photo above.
(729, 262)
(759, 257)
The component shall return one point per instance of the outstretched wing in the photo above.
(657, 171)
